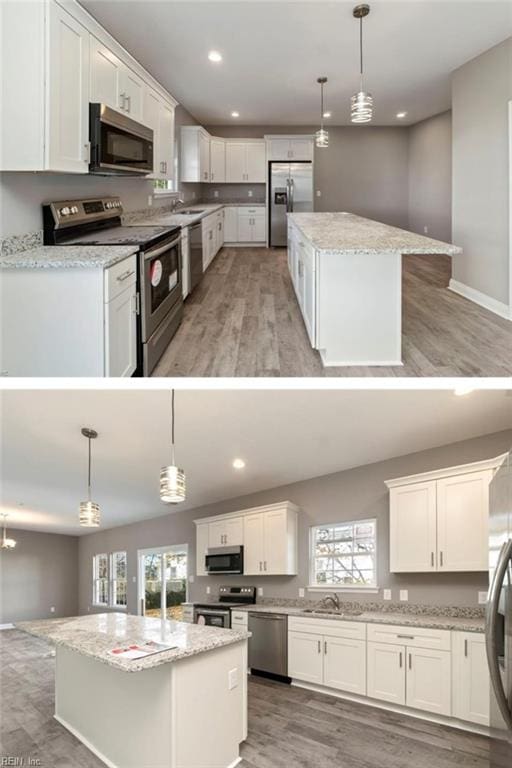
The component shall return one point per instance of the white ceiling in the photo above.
(283, 435)
(274, 51)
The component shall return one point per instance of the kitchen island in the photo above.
(185, 707)
(347, 275)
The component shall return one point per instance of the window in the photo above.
(344, 555)
(109, 579)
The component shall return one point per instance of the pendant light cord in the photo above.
(172, 424)
(322, 105)
(361, 49)
(89, 472)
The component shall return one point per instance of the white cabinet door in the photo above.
(216, 534)
(259, 233)
(462, 515)
(253, 544)
(166, 140)
(235, 161)
(275, 560)
(231, 225)
(105, 76)
(386, 672)
(429, 680)
(244, 228)
(217, 160)
(255, 165)
(301, 149)
(279, 149)
(305, 657)
(204, 156)
(234, 531)
(202, 544)
(471, 686)
(152, 120)
(121, 334)
(345, 664)
(309, 294)
(413, 542)
(68, 88)
(132, 94)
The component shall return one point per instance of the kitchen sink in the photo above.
(190, 213)
(332, 612)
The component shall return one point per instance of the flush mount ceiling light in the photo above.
(322, 136)
(6, 543)
(172, 478)
(89, 510)
(460, 391)
(361, 102)
(215, 56)
(235, 114)
(239, 463)
(401, 115)
(327, 114)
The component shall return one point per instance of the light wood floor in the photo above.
(288, 727)
(244, 320)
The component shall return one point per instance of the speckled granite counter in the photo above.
(345, 233)
(172, 218)
(460, 624)
(67, 257)
(95, 635)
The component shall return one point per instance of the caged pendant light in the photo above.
(322, 136)
(361, 102)
(172, 478)
(89, 510)
(6, 543)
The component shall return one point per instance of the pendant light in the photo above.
(89, 510)
(172, 478)
(361, 102)
(322, 136)
(6, 543)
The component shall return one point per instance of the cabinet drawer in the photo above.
(355, 630)
(251, 211)
(118, 277)
(240, 617)
(412, 637)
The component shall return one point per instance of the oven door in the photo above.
(119, 145)
(212, 618)
(160, 284)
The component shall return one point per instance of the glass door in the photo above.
(163, 581)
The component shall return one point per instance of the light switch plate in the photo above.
(404, 594)
(150, 201)
(302, 592)
(386, 594)
(425, 230)
(191, 578)
(52, 609)
(232, 678)
(319, 193)
(482, 598)
(208, 590)
(260, 591)
(250, 192)
(215, 192)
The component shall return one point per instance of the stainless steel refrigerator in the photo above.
(291, 190)
(498, 633)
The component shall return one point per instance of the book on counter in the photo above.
(139, 651)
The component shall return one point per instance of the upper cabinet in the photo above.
(284, 148)
(439, 520)
(195, 154)
(245, 161)
(64, 61)
(206, 158)
(217, 160)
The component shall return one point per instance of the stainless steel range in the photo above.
(218, 614)
(160, 307)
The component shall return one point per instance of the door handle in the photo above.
(261, 565)
(491, 641)
(410, 661)
(432, 559)
(319, 647)
(125, 275)
(466, 648)
(264, 565)
(441, 559)
(400, 662)
(325, 647)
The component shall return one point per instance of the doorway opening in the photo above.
(163, 582)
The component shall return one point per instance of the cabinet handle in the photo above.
(325, 647)
(129, 100)
(125, 275)
(410, 661)
(261, 566)
(465, 648)
(432, 559)
(319, 647)
(441, 559)
(87, 148)
(122, 97)
(400, 660)
(137, 303)
(264, 565)
(165, 166)
(406, 637)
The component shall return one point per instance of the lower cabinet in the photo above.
(121, 334)
(188, 613)
(243, 224)
(470, 679)
(344, 664)
(386, 672)
(305, 658)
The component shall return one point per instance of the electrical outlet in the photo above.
(208, 590)
(191, 578)
(215, 192)
(319, 193)
(404, 595)
(52, 609)
(482, 598)
(249, 192)
(302, 592)
(386, 594)
(232, 679)
(150, 201)
(425, 230)
(134, 579)
(260, 591)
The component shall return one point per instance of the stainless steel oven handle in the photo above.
(152, 253)
(207, 612)
(491, 642)
(125, 275)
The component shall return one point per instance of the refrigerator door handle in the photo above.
(288, 196)
(291, 195)
(490, 631)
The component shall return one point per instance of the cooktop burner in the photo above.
(121, 236)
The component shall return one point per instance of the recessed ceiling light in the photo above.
(235, 114)
(327, 114)
(215, 56)
(401, 115)
(459, 391)
(239, 463)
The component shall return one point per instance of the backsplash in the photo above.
(233, 193)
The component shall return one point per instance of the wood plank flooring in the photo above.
(244, 320)
(288, 727)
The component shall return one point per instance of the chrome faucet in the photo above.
(177, 201)
(334, 599)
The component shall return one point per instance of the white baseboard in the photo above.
(418, 713)
(351, 363)
(482, 299)
(6, 626)
(87, 743)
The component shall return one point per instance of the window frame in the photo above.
(110, 581)
(114, 581)
(316, 587)
(96, 579)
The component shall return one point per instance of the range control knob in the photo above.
(74, 209)
(65, 211)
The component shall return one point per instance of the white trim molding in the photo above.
(438, 474)
(482, 299)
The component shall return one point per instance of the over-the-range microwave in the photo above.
(119, 145)
(225, 560)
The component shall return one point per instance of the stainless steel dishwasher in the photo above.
(268, 645)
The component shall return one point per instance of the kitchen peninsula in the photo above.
(136, 713)
(347, 275)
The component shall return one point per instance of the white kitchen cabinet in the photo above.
(470, 679)
(231, 224)
(305, 657)
(413, 528)
(219, 230)
(305, 286)
(345, 664)
(159, 116)
(217, 160)
(132, 94)
(290, 148)
(202, 544)
(239, 620)
(121, 334)
(228, 532)
(195, 154)
(462, 521)
(188, 613)
(245, 161)
(106, 67)
(428, 680)
(209, 224)
(270, 542)
(386, 672)
(254, 544)
(251, 225)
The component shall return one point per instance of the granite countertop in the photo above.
(173, 218)
(94, 635)
(67, 257)
(345, 233)
(426, 621)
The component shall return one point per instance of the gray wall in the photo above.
(481, 90)
(40, 572)
(430, 177)
(354, 494)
